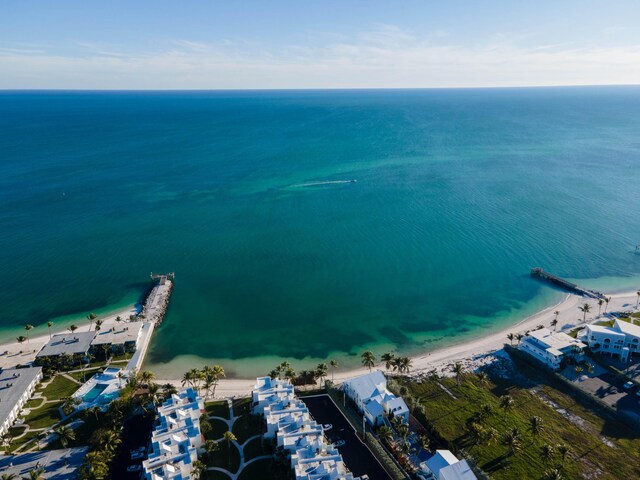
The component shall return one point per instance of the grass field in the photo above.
(44, 416)
(219, 408)
(247, 426)
(598, 448)
(60, 387)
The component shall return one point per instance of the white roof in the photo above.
(118, 334)
(604, 330)
(551, 339)
(441, 459)
(627, 328)
(368, 385)
(458, 471)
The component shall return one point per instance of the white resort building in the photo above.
(16, 387)
(119, 338)
(289, 422)
(175, 438)
(444, 465)
(551, 347)
(621, 340)
(370, 394)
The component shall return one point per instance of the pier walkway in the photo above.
(565, 284)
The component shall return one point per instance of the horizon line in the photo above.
(302, 89)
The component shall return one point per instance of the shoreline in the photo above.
(472, 353)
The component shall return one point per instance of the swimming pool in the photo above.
(95, 392)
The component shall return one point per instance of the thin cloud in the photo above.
(385, 56)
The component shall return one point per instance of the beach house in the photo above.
(77, 345)
(16, 387)
(370, 394)
(620, 340)
(444, 465)
(269, 390)
(551, 348)
(176, 438)
(118, 338)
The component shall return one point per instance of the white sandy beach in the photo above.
(14, 353)
(471, 354)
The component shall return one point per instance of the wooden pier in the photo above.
(564, 284)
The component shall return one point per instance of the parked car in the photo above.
(327, 426)
(134, 468)
(339, 443)
(137, 455)
(628, 385)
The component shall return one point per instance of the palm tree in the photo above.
(585, 308)
(198, 469)
(21, 339)
(118, 319)
(28, 327)
(536, 426)
(65, 435)
(49, 325)
(519, 337)
(475, 432)
(404, 365)
(98, 325)
(547, 453)
(433, 375)
(553, 474)
(424, 442)
(229, 437)
(169, 389)
(189, 378)
(511, 336)
(386, 434)
(35, 474)
(506, 403)
(368, 359)
(388, 358)
(105, 346)
(72, 328)
(333, 364)
(146, 376)
(490, 436)
(638, 299)
(600, 302)
(578, 370)
(321, 372)
(458, 370)
(588, 368)
(290, 373)
(606, 303)
(512, 440)
(91, 317)
(554, 324)
(8, 476)
(482, 377)
(563, 450)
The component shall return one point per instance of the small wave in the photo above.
(326, 182)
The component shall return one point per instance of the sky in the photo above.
(267, 44)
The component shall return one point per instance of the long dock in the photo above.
(565, 284)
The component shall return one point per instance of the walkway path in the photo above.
(230, 421)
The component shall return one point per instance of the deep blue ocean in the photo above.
(458, 194)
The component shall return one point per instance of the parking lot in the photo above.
(610, 389)
(357, 457)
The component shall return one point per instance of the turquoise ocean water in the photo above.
(458, 194)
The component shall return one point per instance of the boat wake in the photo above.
(326, 182)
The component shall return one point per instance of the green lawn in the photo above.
(21, 441)
(45, 416)
(587, 452)
(219, 408)
(79, 376)
(242, 406)
(247, 426)
(265, 470)
(227, 458)
(60, 387)
(218, 427)
(34, 403)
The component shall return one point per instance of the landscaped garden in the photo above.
(523, 429)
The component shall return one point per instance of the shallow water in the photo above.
(458, 194)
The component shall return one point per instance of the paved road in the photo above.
(357, 457)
